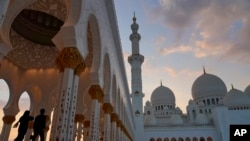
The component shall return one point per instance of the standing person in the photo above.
(39, 126)
(23, 127)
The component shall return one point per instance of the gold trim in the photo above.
(79, 118)
(96, 92)
(114, 117)
(9, 119)
(69, 57)
(107, 108)
(86, 124)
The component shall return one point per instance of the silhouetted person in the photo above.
(39, 126)
(23, 126)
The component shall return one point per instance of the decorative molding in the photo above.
(107, 108)
(96, 92)
(53, 7)
(8, 119)
(79, 118)
(69, 57)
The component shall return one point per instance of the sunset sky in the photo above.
(179, 37)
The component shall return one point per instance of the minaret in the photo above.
(136, 60)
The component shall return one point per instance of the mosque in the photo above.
(67, 56)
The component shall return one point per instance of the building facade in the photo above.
(67, 55)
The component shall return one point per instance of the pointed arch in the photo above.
(94, 44)
(106, 79)
(114, 93)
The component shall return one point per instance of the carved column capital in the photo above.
(86, 124)
(96, 92)
(80, 68)
(79, 118)
(107, 108)
(114, 117)
(119, 123)
(9, 119)
(69, 57)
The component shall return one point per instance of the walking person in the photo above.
(23, 126)
(39, 126)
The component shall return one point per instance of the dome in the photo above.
(201, 119)
(208, 85)
(176, 120)
(247, 90)
(236, 98)
(150, 120)
(162, 96)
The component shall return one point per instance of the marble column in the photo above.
(96, 94)
(7, 123)
(79, 118)
(114, 119)
(67, 61)
(86, 130)
(108, 109)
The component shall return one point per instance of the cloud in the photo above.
(178, 49)
(219, 27)
(160, 40)
(182, 72)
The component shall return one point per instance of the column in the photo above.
(79, 118)
(29, 131)
(47, 126)
(96, 94)
(7, 122)
(86, 130)
(67, 61)
(108, 109)
(114, 118)
(119, 130)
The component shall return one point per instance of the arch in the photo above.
(159, 139)
(106, 79)
(5, 93)
(152, 139)
(195, 139)
(209, 139)
(166, 139)
(202, 139)
(180, 139)
(93, 57)
(187, 139)
(173, 139)
(114, 93)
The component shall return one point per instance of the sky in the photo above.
(179, 37)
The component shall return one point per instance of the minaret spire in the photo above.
(136, 60)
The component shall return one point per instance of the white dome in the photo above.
(201, 119)
(236, 98)
(162, 96)
(247, 90)
(150, 120)
(208, 85)
(176, 120)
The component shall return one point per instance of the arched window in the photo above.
(194, 139)
(180, 139)
(202, 139)
(173, 139)
(159, 139)
(208, 101)
(152, 139)
(187, 139)
(213, 102)
(166, 139)
(209, 139)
